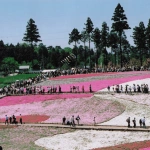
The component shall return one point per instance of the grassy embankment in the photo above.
(4, 81)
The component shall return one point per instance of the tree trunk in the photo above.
(111, 57)
(120, 51)
(90, 54)
(141, 57)
(76, 54)
(115, 58)
(84, 56)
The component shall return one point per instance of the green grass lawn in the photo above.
(10, 79)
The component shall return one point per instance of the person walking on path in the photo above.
(128, 121)
(78, 118)
(140, 122)
(134, 123)
(108, 88)
(90, 88)
(10, 120)
(82, 88)
(20, 119)
(6, 119)
(63, 120)
(94, 121)
(143, 122)
(72, 121)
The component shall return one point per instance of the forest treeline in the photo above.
(111, 47)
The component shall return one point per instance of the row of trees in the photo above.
(121, 51)
(121, 54)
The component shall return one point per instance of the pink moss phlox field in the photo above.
(94, 74)
(82, 75)
(13, 100)
(148, 148)
(30, 118)
(87, 108)
(100, 84)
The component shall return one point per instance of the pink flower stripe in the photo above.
(30, 118)
(13, 100)
(101, 84)
(148, 148)
(82, 75)
(94, 74)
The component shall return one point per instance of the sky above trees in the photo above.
(55, 19)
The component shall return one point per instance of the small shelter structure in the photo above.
(23, 69)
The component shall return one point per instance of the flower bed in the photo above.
(13, 100)
(58, 105)
(98, 74)
(82, 75)
(129, 146)
(30, 118)
(101, 84)
(98, 83)
(87, 108)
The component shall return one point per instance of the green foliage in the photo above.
(104, 35)
(32, 34)
(74, 36)
(10, 79)
(84, 37)
(67, 49)
(139, 36)
(9, 64)
(89, 25)
(120, 20)
(148, 38)
(96, 37)
(89, 29)
(120, 24)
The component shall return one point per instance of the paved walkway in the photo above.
(88, 127)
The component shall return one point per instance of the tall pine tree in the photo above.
(96, 38)
(32, 34)
(119, 25)
(139, 37)
(89, 29)
(75, 36)
(84, 39)
(148, 38)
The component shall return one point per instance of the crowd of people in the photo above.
(12, 120)
(71, 121)
(143, 88)
(30, 88)
(72, 71)
(141, 122)
(19, 87)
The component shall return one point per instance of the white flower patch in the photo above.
(89, 139)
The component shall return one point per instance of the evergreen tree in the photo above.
(148, 38)
(2, 51)
(139, 37)
(32, 34)
(120, 24)
(104, 35)
(104, 40)
(113, 43)
(75, 36)
(89, 29)
(96, 38)
(84, 39)
(125, 49)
